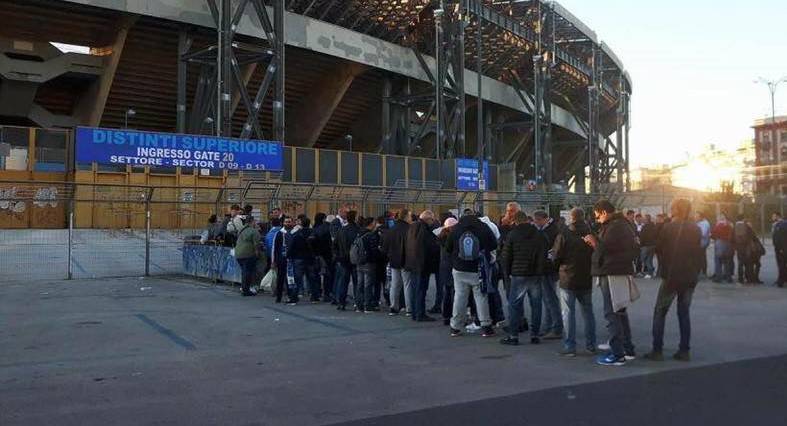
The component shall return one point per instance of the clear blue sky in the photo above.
(693, 64)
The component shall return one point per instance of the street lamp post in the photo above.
(129, 113)
(773, 85)
(349, 140)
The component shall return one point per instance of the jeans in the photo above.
(418, 289)
(646, 259)
(303, 268)
(464, 282)
(344, 273)
(281, 279)
(553, 321)
(516, 307)
(617, 323)
(446, 281)
(364, 300)
(400, 280)
(439, 294)
(663, 303)
(248, 271)
(722, 260)
(568, 299)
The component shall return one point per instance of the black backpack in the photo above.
(469, 247)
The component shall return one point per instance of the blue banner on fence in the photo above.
(467, 175)
(121, 146)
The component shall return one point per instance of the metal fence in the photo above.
(56, 230)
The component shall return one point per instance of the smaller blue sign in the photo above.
(467, 174)
(121, 146)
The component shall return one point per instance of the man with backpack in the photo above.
(614, 251)
(524, 254)
(365, 255)
(320, 242)
(393, 246)
(468, 242)
(422, 259)
(345, 271)
(573, 258)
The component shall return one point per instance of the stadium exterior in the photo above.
(346, 75)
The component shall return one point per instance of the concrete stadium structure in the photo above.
(340, 74)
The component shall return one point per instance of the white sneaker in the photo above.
(472, 328)
(604, 347)
(647, 277)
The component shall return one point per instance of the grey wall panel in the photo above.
(304, 165)
(449, 174)
(394, 170)
(329, 167)
(287, 176)
(492, 184)
(350, 168)
(372, 170)
(415, 168)
(432, 171)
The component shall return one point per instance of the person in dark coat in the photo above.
(346, 271)
(422, 260)
(743, 242)
(573, 257)
(614, 251)
(553, 320)
(648, 236)
(320, 241)
(300, 254)
(779, 238)
(525, 254)
(393, 246)
(367, 268)
(680, 251)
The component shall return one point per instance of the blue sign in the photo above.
(467, 174)
(121, 146)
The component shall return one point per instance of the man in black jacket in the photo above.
(524, 254)
(469, 240)
(614, 251)
(779, 238)
(743, 240)
(573, 257)
(422, 260)
(393, 246)
(680, 252)
(367, 267)
(320, 241)
(301, 259)
(553, 321)
(345, 271)
(647, 241)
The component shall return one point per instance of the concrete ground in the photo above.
(171, 350)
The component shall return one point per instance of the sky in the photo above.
(693, 65)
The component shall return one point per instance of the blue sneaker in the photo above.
(610, 359)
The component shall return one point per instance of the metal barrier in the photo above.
(55, 230)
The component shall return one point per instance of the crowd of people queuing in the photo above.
(556, 264)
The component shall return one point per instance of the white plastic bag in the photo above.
(268, 282)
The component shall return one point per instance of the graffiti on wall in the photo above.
(46, 197)
(9, 201)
